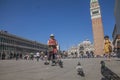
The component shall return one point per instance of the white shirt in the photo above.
(37, 54)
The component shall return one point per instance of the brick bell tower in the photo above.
(97, 27)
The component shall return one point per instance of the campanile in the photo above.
(97, 27)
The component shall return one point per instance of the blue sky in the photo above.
(68, 20)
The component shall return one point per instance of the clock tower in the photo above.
(97, 27)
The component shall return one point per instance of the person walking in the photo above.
(3, 56)
(31, 56)
(17, 56)
(37, 56)
(52, 43)
(107, 47)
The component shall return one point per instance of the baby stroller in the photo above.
(46, 61)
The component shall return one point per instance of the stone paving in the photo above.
(114, 65)
(33, 70)
(112, 69)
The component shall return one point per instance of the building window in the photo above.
(81, 48)
(95, 12)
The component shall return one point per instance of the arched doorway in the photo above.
(81, 54)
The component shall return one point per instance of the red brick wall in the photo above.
(98, 35)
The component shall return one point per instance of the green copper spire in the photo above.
(92, 1)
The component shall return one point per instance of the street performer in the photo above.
(52, 43)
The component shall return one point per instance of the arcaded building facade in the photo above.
(12, 43)
(116, 31)
(81, 48)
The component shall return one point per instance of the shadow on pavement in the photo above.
(117, 60)
(81, 73)
(107, 73)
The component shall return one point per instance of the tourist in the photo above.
(107, 47)
(37, 56)
(52, 43)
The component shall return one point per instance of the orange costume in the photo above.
(107, 45)
(52, 43)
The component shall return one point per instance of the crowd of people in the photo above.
(10, 56)
(52, 53)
